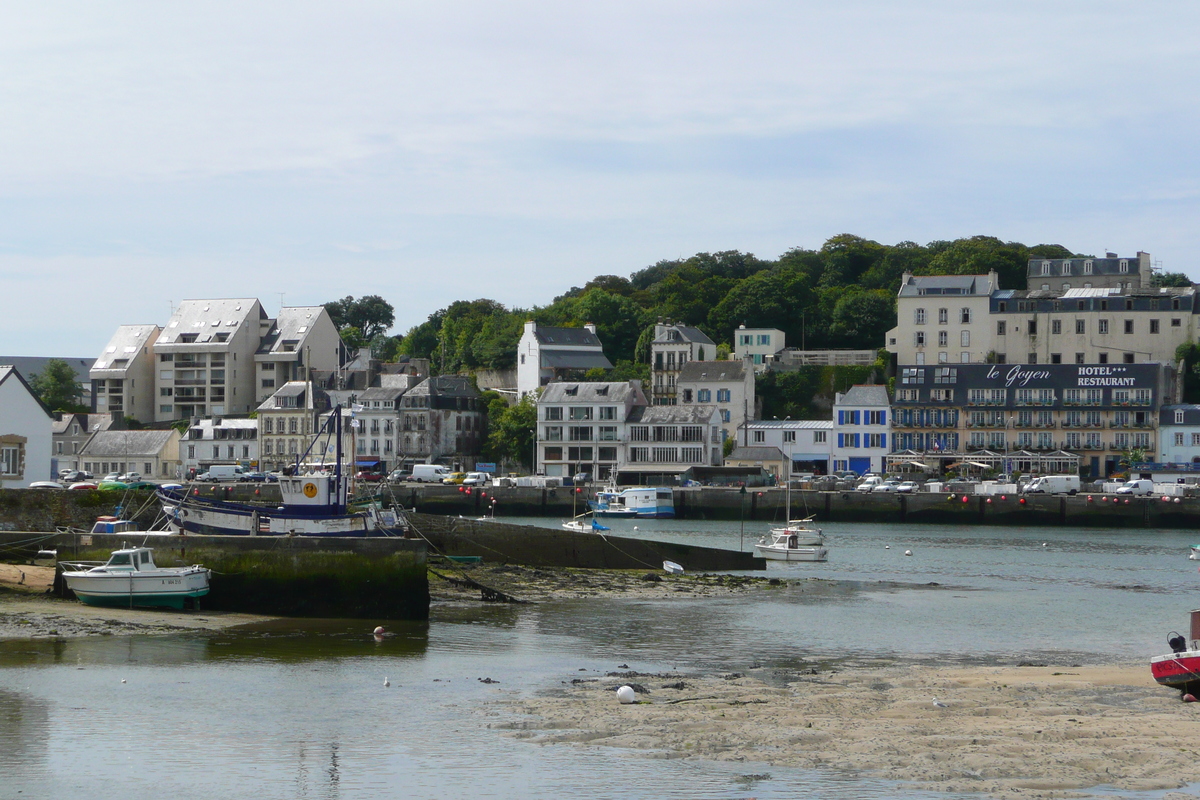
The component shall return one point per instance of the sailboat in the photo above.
(314, 504)
(577, 522)
(797, 540)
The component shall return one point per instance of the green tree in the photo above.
(1171, 279)
(57, 387)
(371, 314)
(861, 318)
(510, 430)
(979, 254)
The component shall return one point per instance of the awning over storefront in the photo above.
(367, 462)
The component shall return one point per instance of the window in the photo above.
(1056, 326)
(945, 375)
(919, 338)
(920, 357)
(964, 339)
(764, 338)
(1080, 326)
(1127, 358)
(552, 454)
(1001, 328)
(1102, 326)
(1154, 326)
(1045, 267)
(608, 412)
(820, 437)
(1178, 417)
(1196, 440)
(910, 375)
(789, 437)
(1079, 358)
(1087, 267)
(1129, 326)
(964, 316)
(943, 338)
(1066, 268)
(704, 395)
(687, 395)
(943, 316)
(1056, 358)
(554, 413)
(1175, 321)
(579, 433)
(1124, 265)
(760, 437)
(608, 433)
(1179, 440)
(554, 433)
(919, 316)
(1032, 327)
(723, 395)
(581, 412)
(724, 415)
(1032, 358)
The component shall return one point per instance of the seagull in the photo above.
(386, 682)
(939, 704)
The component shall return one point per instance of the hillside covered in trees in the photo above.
(840, 296)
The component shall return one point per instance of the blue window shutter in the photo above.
(841, 417)
(840, 440)
(883, 418)
(883, 440)
(857, 440)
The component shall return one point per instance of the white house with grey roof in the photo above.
(861, 429)
(673, 346)
(729, 385)
(943, 319)
(760, 346)
(25, 432)
(546, 354)
(299, 336)
(378, 413)
(223, 440)
(123, 376)
(805, 443)
(153, 453)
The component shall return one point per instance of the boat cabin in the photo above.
(113, 525)
(130, 559)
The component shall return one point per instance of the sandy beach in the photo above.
(1037, 731)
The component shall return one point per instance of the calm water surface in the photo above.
(298, 709)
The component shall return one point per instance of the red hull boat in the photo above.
(1180, 668)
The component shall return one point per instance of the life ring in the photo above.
(310, 490)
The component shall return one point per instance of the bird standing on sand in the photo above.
(386, 682)
(939, 704)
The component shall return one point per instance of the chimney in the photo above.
(588, 326)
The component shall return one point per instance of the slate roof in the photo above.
(672, 415)
(686, 334)
(126, 343)
(865, 396)
(444, 386)
(381, 393)
(574, 359)
(616, 392)
(127, 443)
(29, 366)
(968, 285)
(208, 317)
(292, 325)
(566, 336)
(756, 454)
(695, 371)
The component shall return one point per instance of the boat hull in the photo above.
(217, 518)
(153, 589)
(774, 553)
(1176, 669)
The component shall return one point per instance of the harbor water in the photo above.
(298, 708)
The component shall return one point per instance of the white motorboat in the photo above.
(785, 546)
(131, 578)
(580, 525)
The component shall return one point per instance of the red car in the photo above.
(370, 477)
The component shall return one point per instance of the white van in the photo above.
(1053, 484)
(1141, 486)
(429, 473)
(220, 472)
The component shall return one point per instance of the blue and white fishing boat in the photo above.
(314, 504)
(634, 502)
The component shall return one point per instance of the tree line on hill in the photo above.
(841, 295)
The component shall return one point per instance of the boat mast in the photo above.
(339, 489)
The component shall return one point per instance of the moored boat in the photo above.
(639, 501)
(131, 578)
(785, 546)
(1180, 669)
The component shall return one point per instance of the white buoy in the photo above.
(635, 527)
(625, 695)
(1045, 544)
(887, 547)
(378, 631)
(908, 552)
(386, 682)
(122, 680)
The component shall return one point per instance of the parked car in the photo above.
(581, 478)
(1137, 487)
(477, 479)
(130, 477)
(868, 483)
(886, 486)
(455, 478)
(399, 476)
(112, 476)
(369, 477)
(69, 476)
(908, 487)
(45, 485)
(252, 477)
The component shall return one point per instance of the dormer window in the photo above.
(602, 390)
(1045, 267)
(1178, 417)
(1124, 265)
(1066, 268)
(1087, 267)
(571, 391)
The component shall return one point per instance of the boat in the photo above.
(314, 504)
(1180, 669)
(1194, 553)
(131, 578)
(672, 568)
(580, 526)
(805, 533)
(785, 546)
(640, 501)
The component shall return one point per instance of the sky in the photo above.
(428, 152)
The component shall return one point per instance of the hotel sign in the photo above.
(1020, 375)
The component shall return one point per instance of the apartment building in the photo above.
(546, 354)
(220, 440)
(674, 346)
(287, 421)
(443, 420)
(861, 429)
(122, 377)
(729, 385)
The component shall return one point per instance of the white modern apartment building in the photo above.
(729, 385)
(673, 346)
(123, 376)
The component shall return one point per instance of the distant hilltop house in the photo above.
(760, 345)
(547, 354)
(213, 357)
